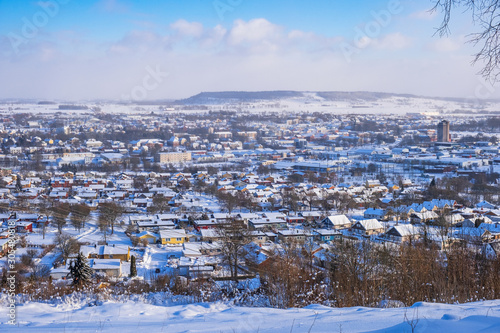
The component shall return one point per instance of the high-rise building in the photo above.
(443, 131)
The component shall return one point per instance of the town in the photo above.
(236, 201)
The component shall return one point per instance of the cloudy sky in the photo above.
(157, 49)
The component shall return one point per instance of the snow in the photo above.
(134, 316)
(310, 102)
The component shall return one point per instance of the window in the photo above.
(179, 239)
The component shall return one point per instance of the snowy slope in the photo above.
(221, 317)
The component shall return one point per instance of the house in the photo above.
(166, 218)
(245, 217)
(195, 268)
(210, 235)
(371, 183)
(142, 202)
(4, 246)
(326, 235)
(274, 215)
(486, 205)
(147, 236)
(205, 224)
(24, 226)
(27, 217)
(258, 237)
(336, 222)
(221, 217)
(292, 235)
(5, 217)
(368, 227)
(424, 217)
(473, 221)
(295, 219)
(402, 233)
(271, 236)
(311, 216)
(154, 225)
(267, 223)
(454, 219)
(175, 236)
(106, 252)
(491, 232)
(59, 272)
(374, 213)
(108, 267)
(134, 219)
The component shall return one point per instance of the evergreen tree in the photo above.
(133, 269)
(433, 183)
(19, 187)
(80, 271)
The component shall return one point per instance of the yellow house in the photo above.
(106, 252)
(393, 187)
(69, 175)
(151, 238)
(174, 236)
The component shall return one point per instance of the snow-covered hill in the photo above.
(221, 317)
(336, 102)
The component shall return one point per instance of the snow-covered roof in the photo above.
(338, 219)
(174, 233)
(405, 230)
(105, 264)
(371, 224)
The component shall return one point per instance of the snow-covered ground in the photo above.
(221, 317)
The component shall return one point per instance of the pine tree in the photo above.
(133, 269)
(80, 271)
(19, 186)
(433, 183)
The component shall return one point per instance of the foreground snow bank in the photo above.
(221, 317)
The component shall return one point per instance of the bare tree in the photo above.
(59, 214)
(79, 215)
(109, 212)
(486, 16)
(160, 205)
(66, 244)
(228, 201)
(234, 237)
(40, 271)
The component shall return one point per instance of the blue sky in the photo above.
(69, 49)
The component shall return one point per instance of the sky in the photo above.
(166, 49)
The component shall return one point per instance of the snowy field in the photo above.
(220, 317)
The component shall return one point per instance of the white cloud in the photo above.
(185, 28)
(256, 30)
(300, 35)
(393, 41)
(139, 41)
(213, 37)
(363, 42)
(445, 44)
(248, 55)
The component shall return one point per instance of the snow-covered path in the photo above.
(219, 317)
